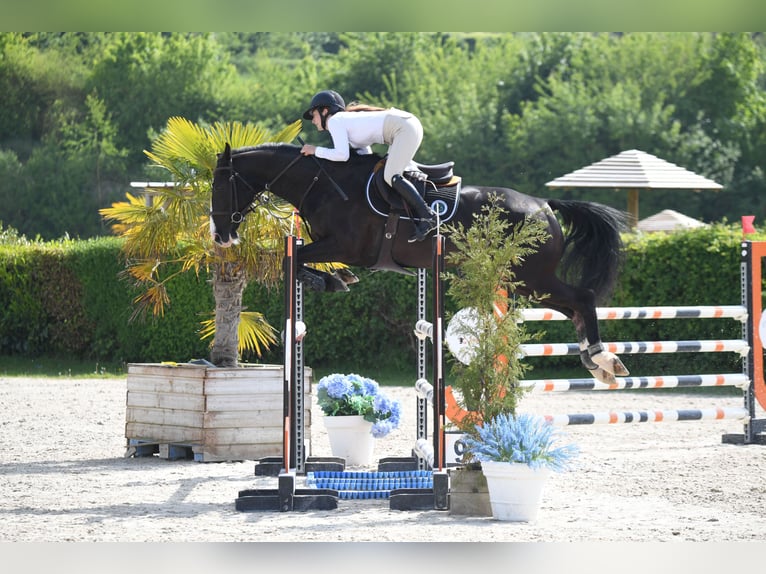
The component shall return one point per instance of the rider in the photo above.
(360, 126)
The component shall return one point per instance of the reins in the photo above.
(321, 169)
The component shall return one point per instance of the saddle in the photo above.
(438, 186)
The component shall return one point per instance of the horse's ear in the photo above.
(224, 158)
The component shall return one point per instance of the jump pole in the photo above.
(423, 403)
(749, 346)
(429, 395)
(292, 411)
(433, 395)
(438, 353)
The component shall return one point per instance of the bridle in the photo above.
(237, 216)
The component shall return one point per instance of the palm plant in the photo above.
(167, 234)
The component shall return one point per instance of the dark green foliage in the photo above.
(98, 264)
(68, 297)
(371, 325)
(511, 109)
(67, 329)
(697, 267)
(21, 315)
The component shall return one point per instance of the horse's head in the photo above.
(227, 204)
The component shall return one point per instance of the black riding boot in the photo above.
(426, 216)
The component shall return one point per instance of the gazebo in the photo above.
(668, 220)
(634, 170)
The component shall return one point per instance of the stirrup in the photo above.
(422, 228)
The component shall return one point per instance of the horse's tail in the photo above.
(593, 249)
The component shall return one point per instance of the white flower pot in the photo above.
(351, 439)
(515, 490)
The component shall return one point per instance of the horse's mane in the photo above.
(291, 149)
(278, 147)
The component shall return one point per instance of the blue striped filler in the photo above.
(359, 485)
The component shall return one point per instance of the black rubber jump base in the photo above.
(302, 499)
(286, 497)
(273, 465)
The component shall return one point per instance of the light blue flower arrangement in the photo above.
(523, 438)
(343, 395)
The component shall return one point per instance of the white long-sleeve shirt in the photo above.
(358, 130)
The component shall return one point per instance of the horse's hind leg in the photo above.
(579, 306)
(602, 364)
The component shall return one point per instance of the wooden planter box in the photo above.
(219, 414)
(468, 492)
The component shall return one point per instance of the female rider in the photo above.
(360, 126)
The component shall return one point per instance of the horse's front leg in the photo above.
(602, 364)
(317, 280)
(322, 251)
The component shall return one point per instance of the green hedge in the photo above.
(70, 297)
(369, 326)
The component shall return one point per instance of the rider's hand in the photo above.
(308, 149)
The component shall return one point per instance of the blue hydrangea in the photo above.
(352, 394)
(337, 386)
(524, 438)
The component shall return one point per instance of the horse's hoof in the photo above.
(313, 282)
(335, 284)
(620, 369)
(603, 376)
(610, 363)
(346, 276)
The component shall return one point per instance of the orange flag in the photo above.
(747, 224)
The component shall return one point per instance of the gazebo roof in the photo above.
(634, 169)
(668, 220)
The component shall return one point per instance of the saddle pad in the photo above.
(442, 199)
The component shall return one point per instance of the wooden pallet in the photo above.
(142, 448)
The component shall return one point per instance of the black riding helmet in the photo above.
(325, 99)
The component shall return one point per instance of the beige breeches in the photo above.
(403, 136)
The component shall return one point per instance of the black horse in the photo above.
(333, 198)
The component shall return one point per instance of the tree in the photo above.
(68, 176)
(34, 82)
(515, 109)
(168, 234)
(145, 78)
(489, 372)
(369, 59)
